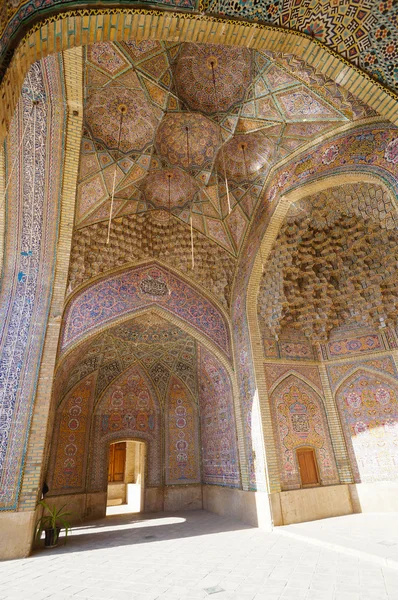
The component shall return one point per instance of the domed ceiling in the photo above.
(161, 348)
(167, 125)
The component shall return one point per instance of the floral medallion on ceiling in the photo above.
(199, 122)
(212, 78)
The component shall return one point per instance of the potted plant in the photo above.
(51, 522)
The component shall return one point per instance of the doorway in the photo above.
(308, 467)
(126, 472)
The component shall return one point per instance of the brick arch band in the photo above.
(69, 31)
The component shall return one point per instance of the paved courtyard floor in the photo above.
(195, 555)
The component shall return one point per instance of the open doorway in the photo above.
(126, 469)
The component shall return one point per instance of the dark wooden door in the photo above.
(117, 461)
(308, 468)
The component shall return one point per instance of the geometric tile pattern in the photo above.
(222, 127)
(364, 32)
(161, 348)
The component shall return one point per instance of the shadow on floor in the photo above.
(138, 528)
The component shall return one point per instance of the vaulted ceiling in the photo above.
(334, 262)
(181, 132)
(161, 348)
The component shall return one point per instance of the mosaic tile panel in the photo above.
(182, 455)
(33, 211)
(70, 442)
(220, 462)
(363, 31)
(138, 288)
(299, 420)
(368, 406)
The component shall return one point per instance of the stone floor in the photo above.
(195, 555)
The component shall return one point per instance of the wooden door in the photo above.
(117, 461)
(308, 468)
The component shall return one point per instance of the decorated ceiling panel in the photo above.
(161, 348)
(181, 134)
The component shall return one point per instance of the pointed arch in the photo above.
(131, 290)
(128, 409)
(298, 420)
(297, 375)
(367, 401)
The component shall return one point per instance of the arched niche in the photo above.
(299, 420)
(368, 405)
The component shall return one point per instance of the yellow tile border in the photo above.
(81, 26)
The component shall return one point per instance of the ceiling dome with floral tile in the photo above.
(116, 108)
(188, 140)
(193, 74)
(246, 156)
(169, 187)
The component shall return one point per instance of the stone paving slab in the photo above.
(373, 536)
(191, 556)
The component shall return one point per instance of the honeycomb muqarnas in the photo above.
(334, 262)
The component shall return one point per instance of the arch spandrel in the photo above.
(138, 288)
(368, 406)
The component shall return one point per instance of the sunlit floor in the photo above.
(193, 555)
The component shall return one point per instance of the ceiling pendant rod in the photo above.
(123, 110)
(190, 216)
(221, 138)
(249, 191)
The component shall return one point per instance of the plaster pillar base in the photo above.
(17, 530)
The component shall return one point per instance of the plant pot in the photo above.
(51, 537)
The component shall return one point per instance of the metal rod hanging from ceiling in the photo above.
(123, 110)
(190, 216)
(249, 192)
(221, 138)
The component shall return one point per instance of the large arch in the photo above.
(95, 417)
(134, 289)
(143, 21)
(249, 332)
